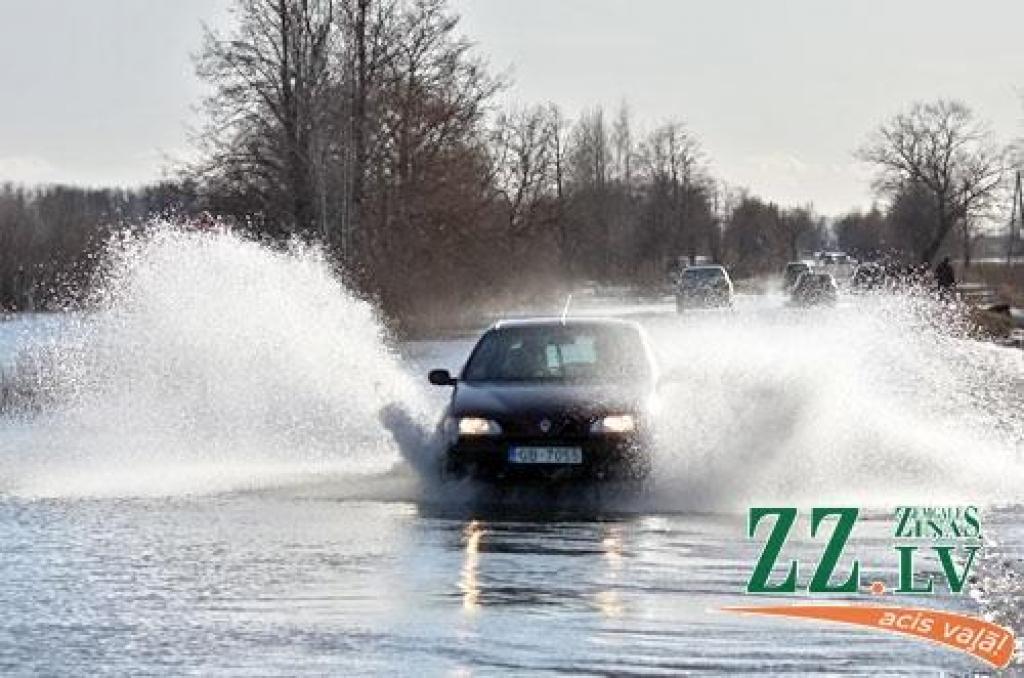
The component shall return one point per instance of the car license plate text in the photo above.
(545, 455)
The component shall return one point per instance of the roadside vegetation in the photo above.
(373, 128)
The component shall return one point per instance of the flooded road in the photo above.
(218, 492)
(265, 584)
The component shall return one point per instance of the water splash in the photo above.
(879, 401)
(213, 363)
(207, 362)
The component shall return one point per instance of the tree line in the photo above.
(372, 127)
(944, 178)
(50, 236)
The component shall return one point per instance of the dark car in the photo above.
(551, 400)
(813, 289)
(793, 271)
(703, 286)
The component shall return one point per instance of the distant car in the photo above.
(551, 400)
(839, 264)
(834, 258)
(703, 286)
(868, 276)
(794, 270)
(813, 289)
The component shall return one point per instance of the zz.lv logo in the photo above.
(845, 519)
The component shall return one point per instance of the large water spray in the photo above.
(207, 362)
(883, 400)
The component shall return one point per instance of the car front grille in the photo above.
(548, 426)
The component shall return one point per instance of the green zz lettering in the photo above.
(785, 517)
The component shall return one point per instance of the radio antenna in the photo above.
(565, 309)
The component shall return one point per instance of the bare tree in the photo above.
(589, 167)
(673, 162)
(942, 148)
(426, 184)
(559, 142)
(524, 147)
(622, 143)
(671, 153)
(797, 228)
(269, 113)
(749, 237)
(863, 234)
(366, 52)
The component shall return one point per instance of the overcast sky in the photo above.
(779, 91)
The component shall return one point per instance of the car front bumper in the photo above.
(603, 458)
(703, 297)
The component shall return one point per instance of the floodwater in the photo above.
(226, 469)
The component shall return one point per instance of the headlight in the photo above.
(478, 426)
(615, 423)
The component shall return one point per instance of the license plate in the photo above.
(545, 455)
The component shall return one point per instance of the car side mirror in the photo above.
(441, 378)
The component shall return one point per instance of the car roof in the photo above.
(544, 321)
(705, 267)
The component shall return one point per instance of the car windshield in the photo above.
(702, 274)
(814, 281)
(591, 353)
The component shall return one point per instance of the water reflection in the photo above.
(561, 563)
(612, 545)
(469, 582)
(608, 601)
(609, 604)
(278, 586)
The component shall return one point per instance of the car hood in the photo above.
(502, 400)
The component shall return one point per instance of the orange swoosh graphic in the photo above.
(991, 643)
